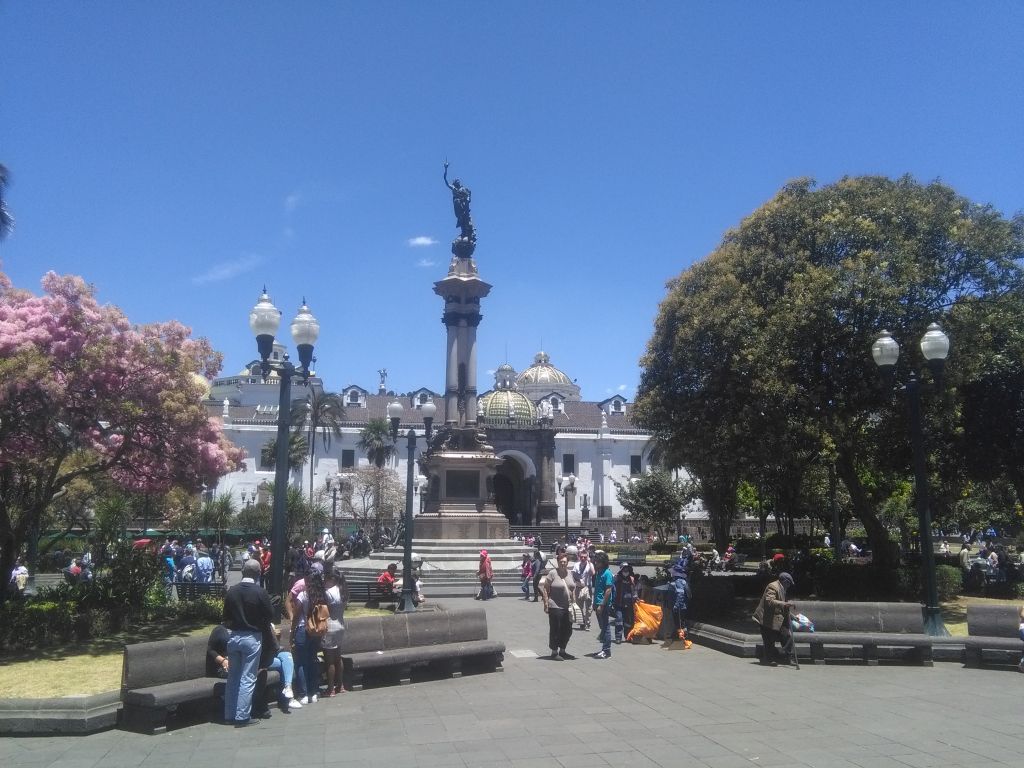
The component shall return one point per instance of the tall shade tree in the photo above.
(375, 441)
(85, 393)
(324, 413)
(762, 349)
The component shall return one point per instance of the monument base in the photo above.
(453, 524)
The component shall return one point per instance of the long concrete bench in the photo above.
(864, 628)
(160, 677)
(404, 641)
(993, 628)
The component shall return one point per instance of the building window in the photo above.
(554, 403)
(424, 399)
(635, 467)
(568, 464)
(617, 406)
(266, 458)
(348, 458)
(353, 397)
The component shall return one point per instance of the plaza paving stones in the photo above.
(644, 707)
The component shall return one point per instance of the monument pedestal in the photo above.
(461, 501)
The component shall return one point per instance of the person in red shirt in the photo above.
(264, 565)
(386, 582)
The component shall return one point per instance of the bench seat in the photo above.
(160, 677)
(992, 628)
(407, 640)
(868, 642)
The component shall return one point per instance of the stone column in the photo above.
(472, 322)
(547, 505)
(451, 392)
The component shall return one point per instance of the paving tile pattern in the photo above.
(646, 706)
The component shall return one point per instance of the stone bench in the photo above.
(864, 628)
(369, 593)
(161, 677)
(404, 641)
(993, 628)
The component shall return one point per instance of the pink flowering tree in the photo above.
(84, 393)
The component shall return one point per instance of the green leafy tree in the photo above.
(654, 500)
(763, 347)
(375, 441)
(324, 413)
(297, 450)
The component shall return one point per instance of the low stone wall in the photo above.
(66, 715)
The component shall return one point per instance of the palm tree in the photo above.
(321, 409)
(296, 452)
(375, 440)
(6, 220)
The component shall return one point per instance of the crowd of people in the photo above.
(247, 645)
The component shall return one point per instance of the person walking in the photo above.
(485, 572)
(604, 595)
(247, 614)
(625, 598)
(772, 617)
(681, 603)
(583, 573)
(526, 572)
(558, 590)
(537, 571)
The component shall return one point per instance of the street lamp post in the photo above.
(567, 485)
(934, 347)
(264, 320)
(395, 410)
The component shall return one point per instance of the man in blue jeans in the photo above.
(248, 614)
(604, 595)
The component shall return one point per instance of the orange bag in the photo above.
(647, 619)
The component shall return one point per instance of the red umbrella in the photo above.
(141, 543)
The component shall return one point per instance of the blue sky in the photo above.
(180, 155)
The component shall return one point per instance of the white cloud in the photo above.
(425, 262)
(226, 270)
(420, 241)
(622, 387)
(292, 201)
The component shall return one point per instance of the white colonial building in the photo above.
(558, 449)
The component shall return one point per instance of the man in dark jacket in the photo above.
(772, 617)
(248, 614)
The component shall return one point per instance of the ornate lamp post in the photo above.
(934, 347)
(567, 485)
(395, 411)
(264, 320)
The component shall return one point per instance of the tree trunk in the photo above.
(883, 553)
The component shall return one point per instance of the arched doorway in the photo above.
(512, 488)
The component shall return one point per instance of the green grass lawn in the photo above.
(91, 667)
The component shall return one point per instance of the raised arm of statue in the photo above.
(446, 176)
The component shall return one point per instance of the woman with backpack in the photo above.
(337, 598)
(309, 625)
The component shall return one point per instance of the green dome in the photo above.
(504, 406)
